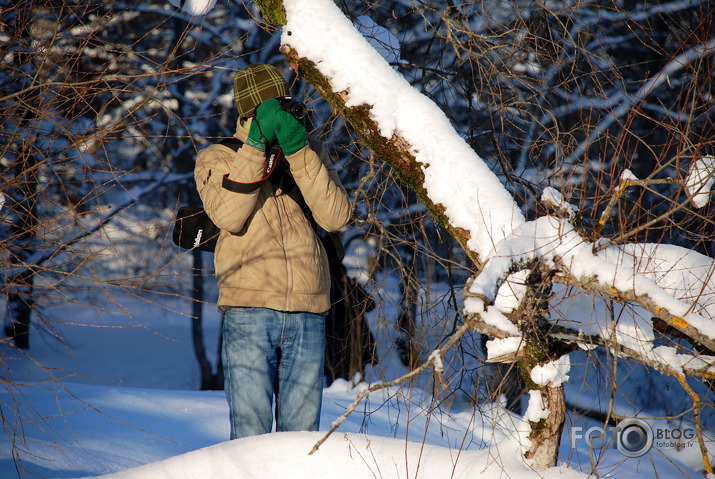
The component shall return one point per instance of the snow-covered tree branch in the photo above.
(415, 138)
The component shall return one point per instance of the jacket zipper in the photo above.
(289, 265)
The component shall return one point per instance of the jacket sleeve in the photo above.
(228, 209)
(321, 187)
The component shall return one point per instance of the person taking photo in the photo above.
(271, 268)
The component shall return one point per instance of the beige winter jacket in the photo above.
(268, 254)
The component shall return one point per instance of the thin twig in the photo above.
(437, 354)
(619, 192)
(697, 406)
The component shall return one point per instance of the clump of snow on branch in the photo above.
(700, 180)
(455, 176)
(510, 293)
(536, 410)
(555, 199)
(544, 238)
(553, 373)
(436, 359)
(493, 317)
(628, 175)
(194, 7)
(503, 346)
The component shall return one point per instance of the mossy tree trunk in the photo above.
(545, 435)
(532, 319)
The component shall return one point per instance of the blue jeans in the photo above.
(269, 353)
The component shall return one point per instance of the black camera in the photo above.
(295, 108)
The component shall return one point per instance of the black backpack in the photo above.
(194, 229)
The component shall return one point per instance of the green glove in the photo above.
(291, 133)
(277, 124)
(256, 138)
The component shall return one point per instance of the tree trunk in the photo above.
(197, 333)
(209, 380)
(185, 160)
(532, 319)
(409, 348)
(545, 435)
(20, 300)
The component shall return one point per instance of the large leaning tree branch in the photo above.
(545, 343)
(395, 151)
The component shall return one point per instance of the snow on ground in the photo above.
(126, 399)
(127, 406)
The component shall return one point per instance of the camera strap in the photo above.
(273, 172)
(192, 226)
(274, 155)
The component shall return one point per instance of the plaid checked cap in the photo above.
(254, 85)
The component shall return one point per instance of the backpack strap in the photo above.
(233, 143)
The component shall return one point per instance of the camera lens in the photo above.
(634, 437)
(295, 108)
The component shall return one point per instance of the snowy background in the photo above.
(113, 389)
(110, 382)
